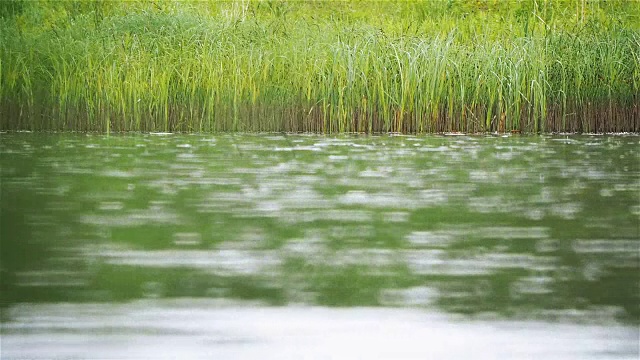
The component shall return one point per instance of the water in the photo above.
(238, 246)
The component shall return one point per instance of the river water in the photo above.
(297, 246)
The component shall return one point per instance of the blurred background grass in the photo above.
(320, 66)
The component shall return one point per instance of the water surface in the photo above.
(534, 229)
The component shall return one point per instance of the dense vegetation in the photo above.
(338, 66)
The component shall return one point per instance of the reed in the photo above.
(251, 66)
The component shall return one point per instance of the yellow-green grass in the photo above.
(350, 66)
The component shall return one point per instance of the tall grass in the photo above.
(529, 66)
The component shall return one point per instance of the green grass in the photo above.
(342, 66)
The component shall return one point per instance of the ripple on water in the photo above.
(497, 219)
(430, 238)
(220, 262)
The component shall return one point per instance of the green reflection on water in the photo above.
(519, 226)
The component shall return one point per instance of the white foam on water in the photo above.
(187, 239)
(512, 232)
(417, 296)
(223, 261)
(604, 246)
(152, 215)
(338, 215)
(193, 329)
(117, 174)
(429, 239)
(396, 216)
(380, 200)
(111, 205)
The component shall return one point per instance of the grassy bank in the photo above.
(353, 66)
